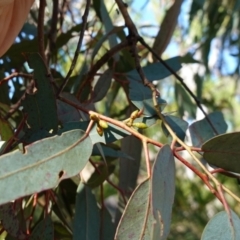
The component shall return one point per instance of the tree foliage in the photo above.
(99, 121)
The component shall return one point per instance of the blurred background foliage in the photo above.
(207, 39)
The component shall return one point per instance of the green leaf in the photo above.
(43, 164)
(178, 125)
(133, 222)
(86, 223)
(223, 151)
(201, 131)
(163, 191)
(222, 227)
(156, 71)
(102, 85)
(10, 222)
(44, 230)
(41, 106)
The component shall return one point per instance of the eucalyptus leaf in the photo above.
(156, 71)
(43, 164)
(163, 191)
(86, 223)
(43, 230)
(222, 227)
(201, 131)
(132, 223)
(223, 151)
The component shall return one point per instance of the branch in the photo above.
(15, 74)
(181, 81)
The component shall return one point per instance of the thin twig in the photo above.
(15, 74)
(147, 159)
(75, 58)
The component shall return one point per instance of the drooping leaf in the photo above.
(156, 71)
(86, 223)
(10, 221)
(107, 226)
(44, 230)
(102, 85)
(43, 164)
(201, 131)
(128, 170)
(40, 106)
(132, 224)
(103, 14)
(163, 191)
(223, 151)
(222, 227)
(178, 125)
(167, 28)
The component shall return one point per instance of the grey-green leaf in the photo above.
(86, 223)
(163, 191)
(43, 164)
(102, 85)
(44, 230)
(133, 222)
(223, 151)
(156, 71)
(222, 227)
(201, 131)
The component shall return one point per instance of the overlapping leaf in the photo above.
(42, 164)
(41, 105)
(201, 131)
(148, 213)
(156, 71)
(44, 230)
(132, 223)
(178, 125)
(163, 191)
(223, 151)
(86, 223)
(222, 227)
